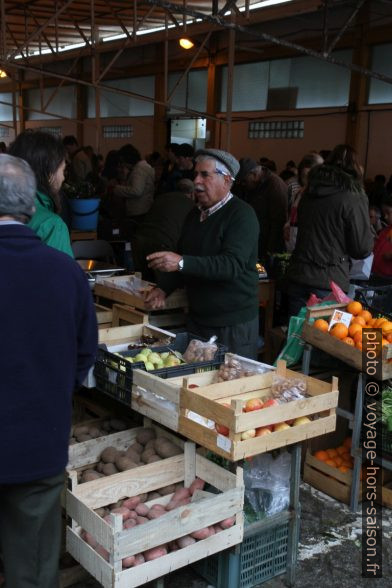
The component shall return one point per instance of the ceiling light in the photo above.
(186, 43)
(3, 74)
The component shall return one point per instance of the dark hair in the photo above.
(286, 174)
(186, 150)
(291, 163)
(110, 168)
(129, 154)
(346, 158)
(387, 201)
(70, 140)
(175, 149)
(325, 153)
(3, 147)
(307, 162)
(380, 179)
(44, 153)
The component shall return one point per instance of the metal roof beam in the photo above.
(350, 19)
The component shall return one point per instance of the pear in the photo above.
(140, 357)
(149, 366)
(144, 351)
(154, 357)
(164, 354)
(159, 364)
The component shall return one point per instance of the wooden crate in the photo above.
(111, 289)
(324, 341)
(207, 402)
(104, 316)
(159, 399)
(123, 315)
(177, 523)
(328, 479)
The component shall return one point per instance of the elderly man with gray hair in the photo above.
(216, 259)
(48, 343)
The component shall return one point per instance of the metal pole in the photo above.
(230, 79)
(345, 26)
(185, 72)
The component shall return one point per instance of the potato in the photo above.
(109, 469)
(124, 463)
(138, 447)
(139, 559)
(185, 541)
(167, 490)
(147, 453)
(102, 552)
(177, 503)
(128, 562)
(201, 534)
(154, 553)
(168, 449)
(132, 455)
(142, 510)
(130, 523)
(101, 512)
(94, 432)
(153, 496)
(99, 466)
(145, 435)
(109, 454)
(227, 523)
(180, 494)
(80, 430)
(83, 437)
(150, 444)
(106, 426)
(118, 425)
(141, 520)
(90, 475)
(153, 458)
(156, 511)
(143, 497)
(116, 504)
(90, 539)
(131, 503)
(121, 510)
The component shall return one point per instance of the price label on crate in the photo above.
(223, 443)
(340, 317)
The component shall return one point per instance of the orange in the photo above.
(348, 464)
(321, 324)
(339, 330)
(321, 455)
(365, 314)
(389, 337)
(371, 322)
(338, 460)
(354, 307)
(358, 344)
(341, 450)
(387, 327)
(330, 462)
(358, 320)
(379, 322)
(332, 453)
(354, 328)
(349, 341)
(344, 469)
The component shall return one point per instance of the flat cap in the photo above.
(224, 157)
(246, 166)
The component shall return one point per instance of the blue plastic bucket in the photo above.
(84, 213)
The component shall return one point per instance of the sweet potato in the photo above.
(227, 523)
(201, 534)
(173, 504)
(180, 494)
(154, 553)
(142, 510)
(145, 435)
(197, 484)
(185, 541)
(128, 562)
(131, 503)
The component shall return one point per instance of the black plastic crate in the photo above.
(114, 374)
(378, 299)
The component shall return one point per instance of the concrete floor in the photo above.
(329, 551)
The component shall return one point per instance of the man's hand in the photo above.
(164, 261)
(156, 298)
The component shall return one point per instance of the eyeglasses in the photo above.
(206, 174)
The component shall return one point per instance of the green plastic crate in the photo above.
(261, 556)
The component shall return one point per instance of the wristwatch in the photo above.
(181, 264)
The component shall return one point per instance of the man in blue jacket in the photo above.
(48, 343)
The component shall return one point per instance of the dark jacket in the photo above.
(48, 343)
(270, 202)
(333, 225)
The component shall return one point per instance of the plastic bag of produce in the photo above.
(236, 367)
(200, 350)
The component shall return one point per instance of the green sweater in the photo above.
(220, 256)
(49, 226)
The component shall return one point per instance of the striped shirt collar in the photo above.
(204, 214)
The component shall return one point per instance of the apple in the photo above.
(248, 434)
(270, 402)
(261, 431)
(253, 404)
(149, 366)
(144, 351)
(301, 421)
(154, 358)
(159, 364)
(222, 430)
(281, 426)
(140, 357)
(193, 386)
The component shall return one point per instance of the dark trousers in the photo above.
(30, 532)
(240, 339)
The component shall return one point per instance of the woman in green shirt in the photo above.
(46, 156)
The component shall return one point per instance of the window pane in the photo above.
(5, 110)
(381, 92)
(63, 104)
(118, 105)
(250, 86)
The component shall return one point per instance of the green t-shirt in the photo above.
(49, 226)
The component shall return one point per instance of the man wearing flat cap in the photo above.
(216, 259)
(48, 343)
